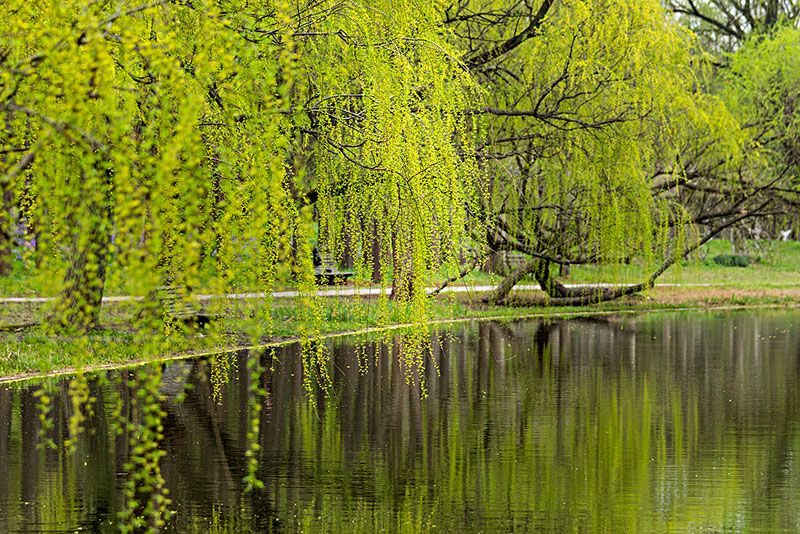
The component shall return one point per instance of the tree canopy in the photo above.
(209, 145)
(592, 113)
(165, 143)
(723, 25)
(184, 151)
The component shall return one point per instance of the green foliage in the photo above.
(180, 145)
(761, 86)
(397, 190)
(133, 123)
(185, 148)
(137, 151)
(589, 128)
(731, 260)
(44, 407)
(256, 397)
(82, 408)
(147, 505)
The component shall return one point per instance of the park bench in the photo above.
(327, 274)
(515, 260)
(178, 308)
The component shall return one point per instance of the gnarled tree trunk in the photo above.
(557, 294)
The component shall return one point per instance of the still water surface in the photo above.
(673, 422)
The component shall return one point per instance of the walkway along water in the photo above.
(342, 292)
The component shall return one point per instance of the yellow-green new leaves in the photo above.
(392, 141)
(186, 148)
(207, 145)
(582, 117)
(158, 140)
(762, 88)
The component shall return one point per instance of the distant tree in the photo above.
(754, 46)
(589, 109)
(761, 86)
(723, 25)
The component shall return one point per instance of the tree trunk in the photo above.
(557, 294)
(403, 272)
(78, 305)
(771, 15)
(7, 227)
(467, 268)
(560, 295)
(6, 200)
(81, 297)
(375, 251)
(500, 295)
(582, 298)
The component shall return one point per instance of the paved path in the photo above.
(338, 292)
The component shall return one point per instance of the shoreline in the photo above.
(671, 300)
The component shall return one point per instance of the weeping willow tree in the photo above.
(396, 192)
(178, 145)
(385, 154)
(750, 53)
(169, 149)
(131, 123)
(762, 88)
(205, 146)
(589, 108)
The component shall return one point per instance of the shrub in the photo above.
(731, 260)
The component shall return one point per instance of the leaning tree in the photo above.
(589, 105)
(604, 141)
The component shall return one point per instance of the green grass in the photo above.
(35, 350)
(776, 265)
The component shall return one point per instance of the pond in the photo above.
(670, 422)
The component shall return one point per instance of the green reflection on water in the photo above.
(664, 423)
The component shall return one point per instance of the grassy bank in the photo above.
(772, 281)
(34, 351)
(773, 264)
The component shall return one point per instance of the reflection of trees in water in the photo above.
(575, 424)
(76, 484)
(147, 506)
(598, 390)
(5, 441)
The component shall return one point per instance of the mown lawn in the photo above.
(777, 265)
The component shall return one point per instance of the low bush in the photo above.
(731, 260)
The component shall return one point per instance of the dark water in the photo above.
(674, 422)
